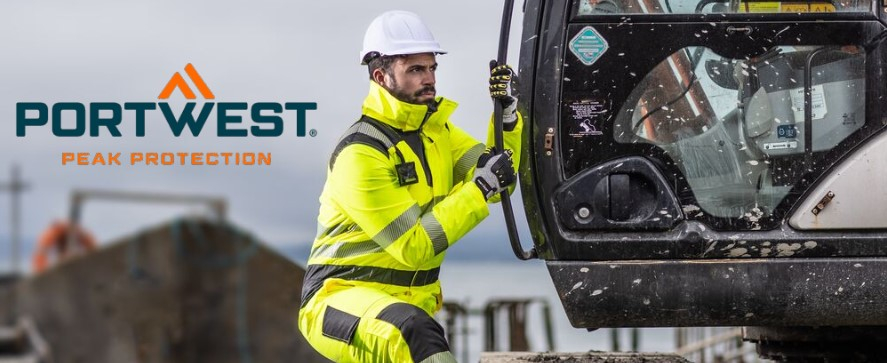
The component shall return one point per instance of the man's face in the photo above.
(412, 80)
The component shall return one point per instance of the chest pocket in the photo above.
(373, 133)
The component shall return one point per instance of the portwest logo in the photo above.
(104, 118)
(177, 81)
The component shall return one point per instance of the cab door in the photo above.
(682, 154)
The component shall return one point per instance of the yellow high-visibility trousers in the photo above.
(360, 324)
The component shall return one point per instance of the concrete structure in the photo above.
(589, 357)
(186, 291)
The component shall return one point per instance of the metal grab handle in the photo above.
(497, 122)
(736, 29)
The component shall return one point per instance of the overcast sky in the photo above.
(246, 51)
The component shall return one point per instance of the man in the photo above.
(403, 184)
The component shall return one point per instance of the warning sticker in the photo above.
(588, 46)
(807, 8)
(817, 96)
(586, 115)
(786, 132)
(786, 7)
(760, 7)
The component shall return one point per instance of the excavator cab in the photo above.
(712, 163)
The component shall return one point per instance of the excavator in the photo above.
(710, 163)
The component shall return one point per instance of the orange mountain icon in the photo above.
(177, 81)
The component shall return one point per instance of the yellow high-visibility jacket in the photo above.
(375, 232)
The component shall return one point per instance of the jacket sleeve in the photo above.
(466, 150)
(364, 185)
(512, 141)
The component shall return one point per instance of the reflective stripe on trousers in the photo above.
(316, 274)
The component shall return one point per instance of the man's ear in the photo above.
(379, 76)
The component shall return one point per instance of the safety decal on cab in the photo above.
(588, 46)
(587, 116)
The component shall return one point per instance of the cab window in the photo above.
(743, 132)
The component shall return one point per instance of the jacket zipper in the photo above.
(420, 152)
(423, 158)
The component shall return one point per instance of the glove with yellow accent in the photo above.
(500, 78)
(494, 173)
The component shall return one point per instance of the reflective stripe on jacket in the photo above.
(374, 232)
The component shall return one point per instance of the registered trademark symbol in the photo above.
(312, 133)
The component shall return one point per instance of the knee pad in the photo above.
(423, 335)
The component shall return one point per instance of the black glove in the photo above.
(500, 78)
(494, 173)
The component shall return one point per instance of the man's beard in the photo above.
(412, 98)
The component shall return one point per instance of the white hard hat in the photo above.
(396, 33)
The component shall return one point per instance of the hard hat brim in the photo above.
(418, 50)
(398, 32)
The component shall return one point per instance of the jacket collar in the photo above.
(381, 105)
